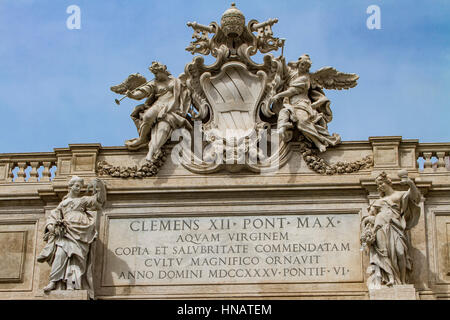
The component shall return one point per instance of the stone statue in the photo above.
(165, 108)
(230, 95)
(237, 104)
(233, 34)
(70, 231)
(306, 105)
(385, 232)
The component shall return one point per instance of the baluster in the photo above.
(21, 173)
(34, 175)
(441, 161)
(10, 177)
(427, 166)
(46, 174)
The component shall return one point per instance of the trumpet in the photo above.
(134, 82)
(118, 100)
(125, 96)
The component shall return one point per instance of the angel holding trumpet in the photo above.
(165, 108)
(305, 104)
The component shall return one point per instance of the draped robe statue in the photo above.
(70, 232)
(305, 105)
(385, 232)
(165, 108)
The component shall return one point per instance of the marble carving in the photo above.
(167, 102)
(385, 232)
(69, 233)
(316, 229)
(240, 106)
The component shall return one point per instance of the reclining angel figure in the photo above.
(164, 110)
(305, 104)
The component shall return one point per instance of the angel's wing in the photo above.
(330, 78)
(132, 82)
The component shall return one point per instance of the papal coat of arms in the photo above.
(246, 112)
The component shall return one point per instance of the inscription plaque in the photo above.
(233, 249)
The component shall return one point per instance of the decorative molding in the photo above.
(148, 169)
(320, 166)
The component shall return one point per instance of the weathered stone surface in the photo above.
(12, 255)
(442, 253)
(234, 220)
(18, 243)
(224, 249)
(177, 194)
(397, 292)
(64, 295)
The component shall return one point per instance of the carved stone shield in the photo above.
(234, 95)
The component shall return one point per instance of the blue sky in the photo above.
(54, 82)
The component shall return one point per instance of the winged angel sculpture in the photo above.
(165, 108)
(305, 104)
(238, 103)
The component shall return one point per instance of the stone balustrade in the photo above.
(81, 159)
(435, 156)
(27, 167)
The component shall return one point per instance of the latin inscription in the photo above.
(268, 249)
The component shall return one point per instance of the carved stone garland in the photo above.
(319, 165)
(148, 169)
